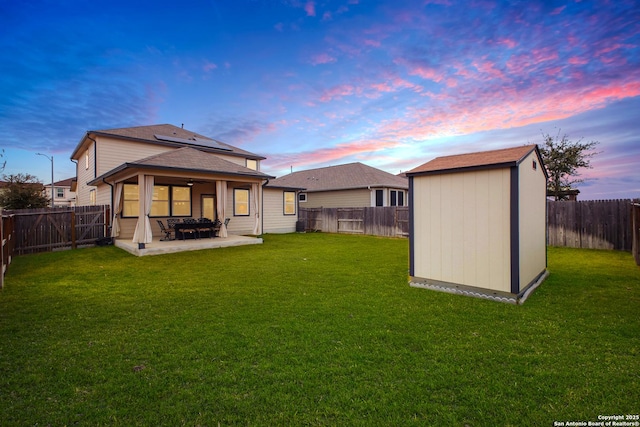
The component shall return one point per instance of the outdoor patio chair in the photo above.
(171, 222)
(167, 232)
(206, 227)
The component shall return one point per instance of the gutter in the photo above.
(95, 156)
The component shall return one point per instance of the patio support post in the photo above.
(143, 233)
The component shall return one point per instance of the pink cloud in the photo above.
(323, 58)
(306, 159)
(508, 43)
(209, 66)
(337, 92)
(558, 10)
(310, 8)
(471, 113)
(574, 60)
(426, 73)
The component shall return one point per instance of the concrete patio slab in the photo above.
(158, 247)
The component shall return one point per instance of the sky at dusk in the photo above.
(392, 84)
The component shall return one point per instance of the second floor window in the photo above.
(59, 193)
(252, 164)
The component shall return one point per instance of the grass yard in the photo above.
(310, 329)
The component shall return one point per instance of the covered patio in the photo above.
(159, 247)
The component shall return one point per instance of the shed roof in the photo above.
(188, 160)
(505, 157)
(349, 176)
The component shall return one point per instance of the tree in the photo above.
(22, 191)
(562, 159)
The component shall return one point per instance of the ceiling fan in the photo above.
(192, 181)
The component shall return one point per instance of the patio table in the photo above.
(194, 229)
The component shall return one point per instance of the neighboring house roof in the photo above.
(168, 135)
(186, 159)
(505, 157)
(63, 183)
(342, 177)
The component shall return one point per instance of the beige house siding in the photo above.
(532, 226)
(113, 152)
(85, 175)
(337, 199)
(275, 221)
(463, 228)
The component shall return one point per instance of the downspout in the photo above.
(76, 201)
(95, 156)
(111, 210)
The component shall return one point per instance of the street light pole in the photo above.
(52, 187)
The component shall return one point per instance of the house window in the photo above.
(160, 203)
(379, 197)
(240, 202)
(86, 159)
(535, 165)
(252, 164)
(180, 201)
(167, 201)
(289, 203)
(59, 193)
(397, 198)
(130, 204)
(92, 197)
(302, 197)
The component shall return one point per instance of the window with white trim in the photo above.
(252, 164)
(289, 202)
(168, 200)
(241, 202)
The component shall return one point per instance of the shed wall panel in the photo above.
(461, 228)
(532, 212)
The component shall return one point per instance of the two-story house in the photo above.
(62, 193)
(165, 171)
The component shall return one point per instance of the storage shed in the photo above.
(478, 223)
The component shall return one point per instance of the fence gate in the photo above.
(43, 230)
(351, 220)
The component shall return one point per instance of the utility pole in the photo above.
(52, 187)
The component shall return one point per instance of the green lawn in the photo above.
(310, 329)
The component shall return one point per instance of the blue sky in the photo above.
(317, 83)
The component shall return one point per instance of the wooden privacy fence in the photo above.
(390, 221)
(44, 230)
(591, 224)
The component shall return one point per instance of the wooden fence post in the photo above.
(635, 238)
(74, 244)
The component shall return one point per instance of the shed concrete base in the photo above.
(483, 293)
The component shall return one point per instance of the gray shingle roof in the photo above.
(188, 159)
(184, 138)
(459, 162)
(342, 177)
